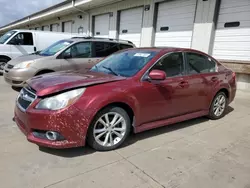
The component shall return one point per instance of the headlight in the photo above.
(23, 65)
(60, 101)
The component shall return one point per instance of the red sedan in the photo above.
(136, 89)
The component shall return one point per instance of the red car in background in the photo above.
(135, 89)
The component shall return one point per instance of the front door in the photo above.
(78, 57)
(22, 44)
(170, 97)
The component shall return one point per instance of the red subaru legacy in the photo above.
(135, 89)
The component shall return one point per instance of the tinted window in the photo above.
(104, 49)
(126, 63)
(198, 63)
(80, 50)
(172, 65)
(22, 39)
(56, 47)
(125, 46)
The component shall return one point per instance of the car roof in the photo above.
(79, 39)
(168, 49)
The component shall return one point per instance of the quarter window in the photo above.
(22, 39)
(104, 49)
(198, 63)
(172, 65)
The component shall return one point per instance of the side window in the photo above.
(172, 65)
(22, 39)
(198, 63)
(101, 49)
(125, 46)
(79, 50)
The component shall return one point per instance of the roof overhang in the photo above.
(61, 9)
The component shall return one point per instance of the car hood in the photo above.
(24, 58)
(60, 81)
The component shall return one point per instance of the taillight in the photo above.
(234, 75)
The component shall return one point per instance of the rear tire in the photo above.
(218, 107)
(109, 129)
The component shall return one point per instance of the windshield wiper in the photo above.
(111, 70)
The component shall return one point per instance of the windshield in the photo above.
(56, 47)
(126, 63)
(6, 36)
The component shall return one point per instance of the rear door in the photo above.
(22, 44)
(78, 56)
(203, 79)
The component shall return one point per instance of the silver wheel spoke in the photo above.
(105, 143)
(118, 129)
(119, 121)
(118, 134)
(107, 118)
(97, 131)
(216, 111)
(100, 135)
(102, 122)
(114, 119)
(111, 139)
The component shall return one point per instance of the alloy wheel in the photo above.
(109, 129)
(219, 105)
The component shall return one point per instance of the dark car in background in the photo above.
(134, 89)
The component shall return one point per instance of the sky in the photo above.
(12, 10)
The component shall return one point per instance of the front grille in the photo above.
(25, 98)
(10, 66)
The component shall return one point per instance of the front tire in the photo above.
(109, 129)
(218, 106)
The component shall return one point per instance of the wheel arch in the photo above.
(122, 105)
(44, 71)
(5, 57)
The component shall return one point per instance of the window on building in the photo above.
(198, 63)
(172, 65)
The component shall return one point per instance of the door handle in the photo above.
(183, 84)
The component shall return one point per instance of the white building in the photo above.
(218, 27)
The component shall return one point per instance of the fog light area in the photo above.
(48, 135)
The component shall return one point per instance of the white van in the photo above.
(16, 43)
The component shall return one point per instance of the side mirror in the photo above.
(157, 75)
(67, 56)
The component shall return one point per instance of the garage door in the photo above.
(55, 27)
(67, 27)
(45, 28)
(174, 23)
(101, 26)
(232, 35)
(131, 25)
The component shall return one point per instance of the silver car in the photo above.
(69, 54)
